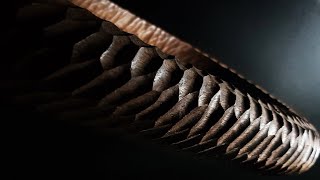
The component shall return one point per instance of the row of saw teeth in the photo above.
(114, 79)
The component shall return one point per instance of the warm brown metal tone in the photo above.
(116, 79)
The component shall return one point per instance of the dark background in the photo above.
(274, 43)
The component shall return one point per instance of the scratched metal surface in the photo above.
(253, 37)
(162, 119)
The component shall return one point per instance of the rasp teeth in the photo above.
(106, 78)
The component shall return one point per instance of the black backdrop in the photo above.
(274, 43)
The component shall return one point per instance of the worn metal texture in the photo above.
(112, 78)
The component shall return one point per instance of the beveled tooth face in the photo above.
(118, 70)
